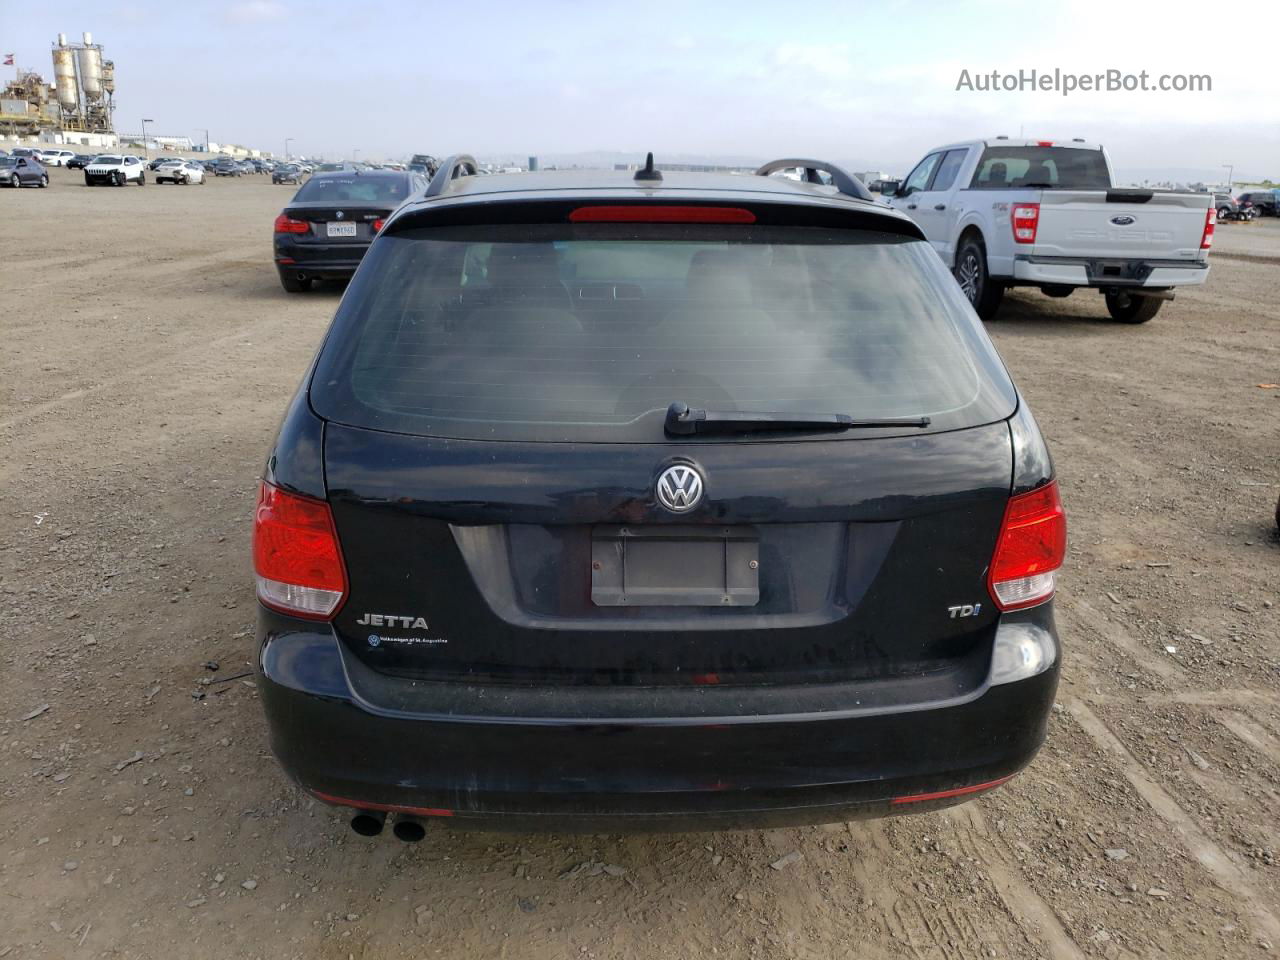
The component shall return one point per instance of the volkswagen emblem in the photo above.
(340, 215)
(1123, 220)
(679, 488)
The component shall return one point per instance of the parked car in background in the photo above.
(208, 164)
(600, 588)
(30, 153)
(23, 172)
(1004, 213)
(227, 168)
(180, 171)
(155, 164)
(287, 173)
(55, 158)
(424, 163)
(326, 228)
(1264, 201)
(116, 170)
(80, 161)
(334, 167)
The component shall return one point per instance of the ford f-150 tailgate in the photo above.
(1119, 224)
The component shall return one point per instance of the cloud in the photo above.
(830, 60)
(256, 11)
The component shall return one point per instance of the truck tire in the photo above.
(983, 293)
(1132, 308)
(142, 179)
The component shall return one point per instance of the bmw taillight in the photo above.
(1026, 220)
(296, 555)
(285, 224)
(1210, 221)
(1031, 548)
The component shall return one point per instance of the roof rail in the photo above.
(459, 165)
(846, 183)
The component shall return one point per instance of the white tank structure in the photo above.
(85, 85)
(90, 57)
(64, 76)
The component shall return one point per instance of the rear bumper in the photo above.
(560, 758)
(1103, 272)
(324, 260)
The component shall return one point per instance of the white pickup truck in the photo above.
(1004, 213)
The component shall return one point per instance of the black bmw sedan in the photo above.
(328, 225)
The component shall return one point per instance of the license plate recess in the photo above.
(675, 566)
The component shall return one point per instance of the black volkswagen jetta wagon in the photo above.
(654, 500)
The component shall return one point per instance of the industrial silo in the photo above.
(64, 74)
(90, 57)
(108, 77)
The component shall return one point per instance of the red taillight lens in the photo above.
(1026, 219)
(296, 555)
(377, 225)
(287, 225)
(1210, 221)
(659, 213)
(1032, 546)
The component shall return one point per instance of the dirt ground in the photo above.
(148, 353)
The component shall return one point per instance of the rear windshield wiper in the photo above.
(682, 421)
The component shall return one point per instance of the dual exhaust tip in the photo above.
(369, 823)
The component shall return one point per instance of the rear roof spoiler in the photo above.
(459, 165)
(846, 183)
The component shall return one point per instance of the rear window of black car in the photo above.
(590, 332)
(354, 189)
(1070, 168)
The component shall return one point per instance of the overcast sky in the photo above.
(872, 85)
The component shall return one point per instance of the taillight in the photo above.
(296, 555)
(286, 224)
(661, 213)
(1031, 547)
(377, 225)
(1026, 218)
(1210, 221)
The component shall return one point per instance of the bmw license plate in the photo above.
(342, 229)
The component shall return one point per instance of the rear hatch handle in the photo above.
(682, 421)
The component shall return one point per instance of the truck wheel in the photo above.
(142, 179)
(1132, 309)
(983, 293)
(292, 283)
(118, 178)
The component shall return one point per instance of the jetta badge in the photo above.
(679, 488)
(1123, 220)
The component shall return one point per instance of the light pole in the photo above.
(287, 141)
(145, 152)
(1230, 172)
(206, 139)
